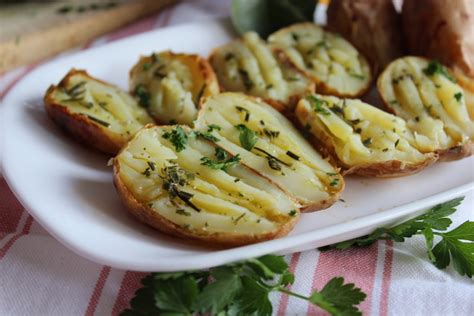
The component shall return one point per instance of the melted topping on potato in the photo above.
(248, 65)
(425, 94)
(165, 168)
(171, 85)
(331, 61)
(268, 143)
(360, 134)
(104, 105)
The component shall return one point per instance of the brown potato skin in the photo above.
(307, 208)
(148, 216)
(387, 169)
(372, 26)
(441, 29)
(80, 127)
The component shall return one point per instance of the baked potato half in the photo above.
(94, 112)
(170, 86)
(165, 178)
(269, 144)
(372, 26)
(361, 138)
(248, 65)
(329, 60)
(425, 94)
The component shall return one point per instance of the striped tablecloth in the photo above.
(39, 276)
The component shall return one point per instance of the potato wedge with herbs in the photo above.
(425, 94)
(182, 184)
(171, 85)
(269, 144)
(248, 65)
(327, 58)
(361, 138)
(94, 112)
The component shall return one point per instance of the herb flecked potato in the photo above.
(425, 94)
(361, 138)
(94, 112)
(269, 144)
(327, 58)
(171, 85)
(182, 184)
(248, 65)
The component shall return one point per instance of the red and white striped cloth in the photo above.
(39, 276)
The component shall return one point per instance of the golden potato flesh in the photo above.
(362, 138)
(171, 85)
(164, 177)
(327, 58)
(425, 94)
(268, 143)
(94, 112)
(248, 65)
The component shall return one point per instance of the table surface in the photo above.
(40, 276)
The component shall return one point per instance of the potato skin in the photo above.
(387, 169)
(372, 26)
(441, 29)
(148, 216)
(80, 127)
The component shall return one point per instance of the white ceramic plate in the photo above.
(68, 189)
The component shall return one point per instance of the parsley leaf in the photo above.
(458, 97)
(435, 67)
(317, 105)
(144, 97)
(247, 137)
(177, 137)
(456, 245)
(241, 288)
(223, 160)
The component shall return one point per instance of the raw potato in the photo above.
(94, 112)
(175, 193)
(361, 138)
(269, 144)
(441, 29)
(248, 65)
(327, 58)
(171, 85)
(425, 95)
(372, 26)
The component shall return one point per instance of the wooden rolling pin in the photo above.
(30, 32)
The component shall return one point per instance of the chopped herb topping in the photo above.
(212, 127)
(434, 67)
(238, 218)
(458, 96)
(367, 141)
(206, 135)
(358, 130)
(331, 174)
(248, 83)
(334, 182)
(292, 155)
(182, 212)
(247, 137)
(143, 96)
(385, 150)
(273, 162)
(393, 102)
(269, 86)
(270, 133)
(152, 165)
(396, 143)
(177, 137)
(147, 66)
(317, 105)
(223, 160)
(236, 180)
(175, 177)
(295, 37)
(247, 113)
(417, 118)
(262, 123)
(147, 172)
(292, 213)
(356, 75)
(99, 121)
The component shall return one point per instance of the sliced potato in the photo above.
(269, 144)
(163, 179)
(94, 112)
(425, 94)
(171, 85)
(327, 58)
(467, 84)
(248, 65)
(361, 138)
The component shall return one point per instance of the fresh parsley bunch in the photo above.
(456, 245)
(236, 289)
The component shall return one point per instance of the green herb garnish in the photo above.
(271, 134)
(177, 137)
(247, 113)
(241, 288)
(247, 137)
(143, 96)
(223, 162)
(367, 141)
(99, 121)
(212, 127)
(248, 83)
(174, 177)
(456, 245)
(435, 67)
(292, 155)
(317, 105)
(458, 96)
